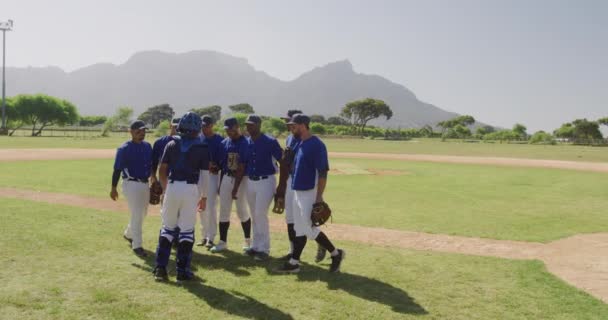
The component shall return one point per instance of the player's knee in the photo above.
(166, 233)
(186, 236)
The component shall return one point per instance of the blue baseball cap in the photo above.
(299, 118)
(138, 124)
(207, 120)
(253, 119)
(230, 122)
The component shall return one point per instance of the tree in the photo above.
(90, 121)
(41, 111)
(464, 120)
(154, 115)
(274, 126)
(337, 121)
(214, 111)
(317, 128)
(566, 131)
(121, 118)
(14, 118)
(603, 121)
(541, 137)
(426, 131)
(245, 108)
(360, 112)
(520, 130)
(482, 131)
(317, 118)
(587, 130)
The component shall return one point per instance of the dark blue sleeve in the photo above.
(243, 147)
(321, 161)
(120, 160)
(276, 150)
(156, 153)
(168, 152)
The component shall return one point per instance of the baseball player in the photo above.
(133, 162)
(291, 145)
(311, 166)
(209, 184)
(263, 152)
(233, 184)
(179, 174)
(159, 147)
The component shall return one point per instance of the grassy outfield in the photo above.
(419, 146)
(63, 262)
(468, 200)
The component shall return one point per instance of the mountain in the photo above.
(201, 78)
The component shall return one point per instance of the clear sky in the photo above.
(537, 62)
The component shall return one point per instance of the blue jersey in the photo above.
(134, 160)
(292, 143)
(158, 149)
(232, 153)
(310, 158)
(214, 144)
(262, 155)
(186, 157)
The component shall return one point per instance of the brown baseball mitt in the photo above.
(156, 190)
(320, 213)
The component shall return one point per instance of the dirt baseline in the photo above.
(581, 260)
(81, 154)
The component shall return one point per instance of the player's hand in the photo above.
(319, 199)
(234, 192)
(202, 204)
(114, 194)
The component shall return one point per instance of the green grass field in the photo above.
(62, 262)
(418, 146)
(469, 200)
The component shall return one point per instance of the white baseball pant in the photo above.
(259, 196)
(138, 197)
(180, 206)
(208, 185)
(226, 199)
(303, 203)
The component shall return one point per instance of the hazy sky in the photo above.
(536, 62)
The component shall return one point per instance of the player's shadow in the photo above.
(360, 286)
(232, 302)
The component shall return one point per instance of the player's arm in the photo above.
(238, 177)
(118, 166)
(321, 163)
(156, 154)
(163, 171)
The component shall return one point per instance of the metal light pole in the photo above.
(4, 26)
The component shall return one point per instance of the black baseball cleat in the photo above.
(261, 256)
(336, 261)
(184, 276)
(140, 252)
(288, 268)
(321, 252)
(286, 257)
(250, 252)
(160, 274)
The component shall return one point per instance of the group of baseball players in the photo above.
(197, 167)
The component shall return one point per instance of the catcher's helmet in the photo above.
(189, 123)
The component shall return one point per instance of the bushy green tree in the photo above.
(245, 108)
(214, 111)
(156, 114)
(360, 112)
(41, 111)
(121, 118)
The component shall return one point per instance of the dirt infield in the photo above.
(78, 154)
(581, 260)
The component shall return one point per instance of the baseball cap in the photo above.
(299, 119)
(175, 122)
(138, 124)
(253, 119)
(207, 120)
(230, 122)
(290, 114)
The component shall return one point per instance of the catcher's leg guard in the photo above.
(163, 250)
(184, 252)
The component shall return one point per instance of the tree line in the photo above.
(41, 111)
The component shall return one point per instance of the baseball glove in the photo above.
(320, 213)
(156, 190)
